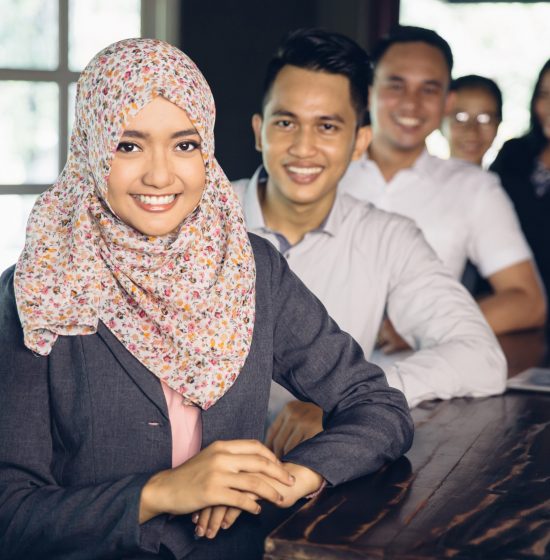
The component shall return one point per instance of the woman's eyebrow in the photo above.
(186, 132)
(145, 135)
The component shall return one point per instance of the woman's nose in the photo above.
(159, 172)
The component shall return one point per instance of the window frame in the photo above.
(159, 18)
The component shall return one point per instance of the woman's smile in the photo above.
(155, 203)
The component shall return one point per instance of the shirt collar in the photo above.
(421, 166)
(255, 218)
(251, 203)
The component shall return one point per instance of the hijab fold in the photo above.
(182, 304)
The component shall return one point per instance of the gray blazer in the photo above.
(83, 429)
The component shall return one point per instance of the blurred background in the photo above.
(44, 44)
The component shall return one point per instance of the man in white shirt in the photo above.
(461, 209)
(360, 261)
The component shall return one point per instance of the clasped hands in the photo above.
(223, 480)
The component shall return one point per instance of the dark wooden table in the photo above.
(475, 485)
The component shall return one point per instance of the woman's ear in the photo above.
(257, 128)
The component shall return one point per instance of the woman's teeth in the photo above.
(156, 200)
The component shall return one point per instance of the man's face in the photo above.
(408, 97)
(308, 134)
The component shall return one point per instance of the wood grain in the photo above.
(475, 485)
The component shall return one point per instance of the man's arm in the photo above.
(457, 353)
(518, 300)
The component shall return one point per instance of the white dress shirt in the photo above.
(461, 209)
(362, 261)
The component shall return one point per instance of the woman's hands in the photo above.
(209, 520)
(234, 474)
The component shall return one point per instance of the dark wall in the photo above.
(232, 40)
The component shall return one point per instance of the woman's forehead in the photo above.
(160, 114)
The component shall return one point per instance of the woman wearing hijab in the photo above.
(523, 165)
(140, 331)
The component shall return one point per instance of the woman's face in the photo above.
(542, 104)
(157, 175)
(473, 124)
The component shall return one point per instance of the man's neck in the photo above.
(391, 161)
(291, 219)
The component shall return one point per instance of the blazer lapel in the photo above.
(142, 377)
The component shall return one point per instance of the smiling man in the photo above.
(361, 262)
(461, 209)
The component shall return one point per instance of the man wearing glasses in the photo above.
(461, 209)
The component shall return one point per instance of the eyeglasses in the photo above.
(483, 119)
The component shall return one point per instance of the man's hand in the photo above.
(388, 339)
(297, 422)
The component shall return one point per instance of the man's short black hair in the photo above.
(324, 51)
(410, 34)
(473, 81)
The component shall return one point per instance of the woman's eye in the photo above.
(187, 146)
(127, 147)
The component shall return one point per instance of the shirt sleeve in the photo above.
(366, 422)
(496, 240)
(457, 353)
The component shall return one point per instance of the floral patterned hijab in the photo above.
(182, 304)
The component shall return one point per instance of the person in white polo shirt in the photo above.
(461, 209)
(361, 262)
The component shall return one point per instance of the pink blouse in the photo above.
(186, 425)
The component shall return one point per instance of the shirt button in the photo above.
(286, 255)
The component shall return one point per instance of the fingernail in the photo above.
(258, 509)
(225, 525)
(210, 534)
(195, 517)
(199, 531)
(291, 478)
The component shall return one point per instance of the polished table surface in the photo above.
(475, 485)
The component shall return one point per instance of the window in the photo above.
(45, 45)
(505, 41)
